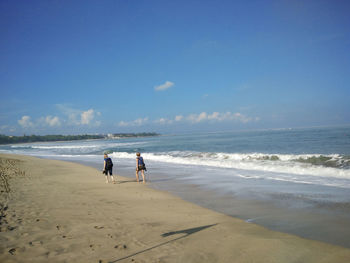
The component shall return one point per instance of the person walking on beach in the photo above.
(140, 166)
(108, 168)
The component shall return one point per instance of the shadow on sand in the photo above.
(187, 232)
(126, 181)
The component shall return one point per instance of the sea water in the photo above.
(315, 156)
(288, 172)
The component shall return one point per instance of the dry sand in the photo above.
(54, 211)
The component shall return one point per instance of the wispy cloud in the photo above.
(163, 121)
(25, 122)
(194, 119)
(79, 117)
(48, 121)
(52, 121)
(71, 118)
(165, 86)
(179, 118)
(71, 113)
(218, 117)
(137, 122)
(7, 128)
(87, 116)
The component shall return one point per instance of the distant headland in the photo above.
(4, 139)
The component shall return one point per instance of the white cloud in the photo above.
(87, 116)
(137, 122)
(163, 121)
(194, 119)
(179, 117)
(123, 124)
(219, 117)
(79, 117)
(242, 118)
(52, 121)
(202, 116)
(165, 86)
(140, 121)
(73, 117)
(25, 122)
(72, 114)
(214, 116)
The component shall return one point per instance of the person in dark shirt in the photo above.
(108, 168)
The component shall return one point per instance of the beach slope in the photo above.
(55, 211)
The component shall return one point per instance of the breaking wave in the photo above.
(316, 164)
(73, 146)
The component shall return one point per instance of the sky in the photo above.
(76, 67)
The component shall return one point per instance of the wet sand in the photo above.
(54, 211)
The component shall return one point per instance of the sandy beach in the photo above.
(55, 211)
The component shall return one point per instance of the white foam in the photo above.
(252, 162)
(64, 145)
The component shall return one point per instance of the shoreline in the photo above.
(310, 211)
(314, 212)
(62, 211)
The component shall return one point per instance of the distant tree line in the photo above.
(45, 138)
(142, 134)
(4, 139)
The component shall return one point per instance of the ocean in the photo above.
(290, 180)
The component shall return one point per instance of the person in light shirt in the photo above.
(140, 166)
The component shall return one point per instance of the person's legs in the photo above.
(137, 175)
(143, 175)
(111, 175)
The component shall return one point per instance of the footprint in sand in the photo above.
(120, 246)
(36, 243)
(11, 228)
(93, 247)
(12, 251)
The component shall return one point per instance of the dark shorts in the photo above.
(141, 167)
(110, 171)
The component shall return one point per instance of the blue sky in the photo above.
(173, 66)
